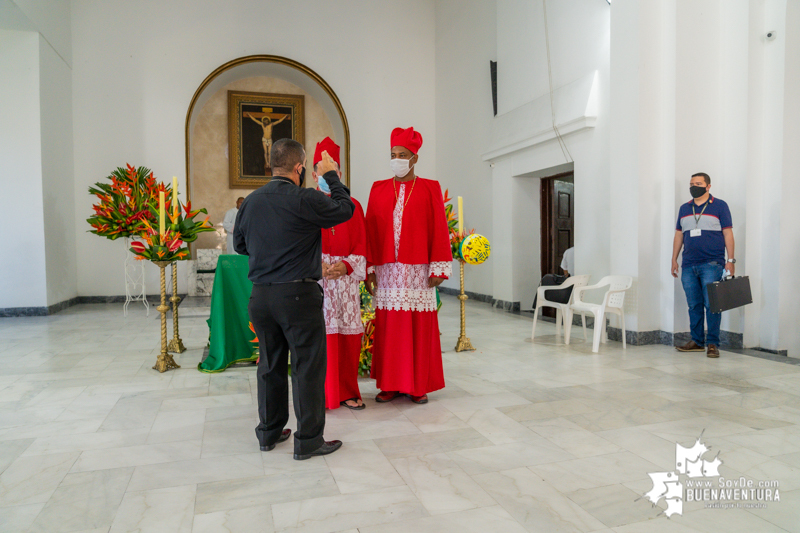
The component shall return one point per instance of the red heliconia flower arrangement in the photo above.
(125, 203)
(181, 229)
(128, 207)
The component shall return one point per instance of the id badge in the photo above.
(695, 232)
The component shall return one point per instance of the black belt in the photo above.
(304, 280)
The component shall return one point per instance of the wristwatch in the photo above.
(732, 260)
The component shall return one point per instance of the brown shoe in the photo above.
(713, 351)
(386, 396)
(690, 346)
(419, 399)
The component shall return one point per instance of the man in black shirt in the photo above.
(278, 227)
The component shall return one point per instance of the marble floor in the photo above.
(525, 437)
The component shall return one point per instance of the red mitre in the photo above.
(328, 145)
(407, 138)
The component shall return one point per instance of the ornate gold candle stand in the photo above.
(165, 361)
(463, 343)
(176, 344)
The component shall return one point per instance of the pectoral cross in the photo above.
(333, 231)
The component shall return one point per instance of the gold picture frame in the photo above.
(255, 122)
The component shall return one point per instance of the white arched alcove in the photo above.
(207, 130)
(271, 67)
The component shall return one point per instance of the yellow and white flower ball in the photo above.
(475, 249)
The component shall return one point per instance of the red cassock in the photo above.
(407, 243)
(342, 307)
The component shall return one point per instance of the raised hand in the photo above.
(326, 164)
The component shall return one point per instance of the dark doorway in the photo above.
(557, 223)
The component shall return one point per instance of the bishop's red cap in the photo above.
(328, 145)
(407, 138)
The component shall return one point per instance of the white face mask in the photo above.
(400, 167)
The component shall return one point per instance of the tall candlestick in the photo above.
(174, 196)
(460, 216)
(161, 213)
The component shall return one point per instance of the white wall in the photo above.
(686, 100)
(789, 305)
(572, 24)
(677, 86)
(58, 185)
(131, 93)
(23, 281)
(51, 19)
(466, 41)
(579, 49)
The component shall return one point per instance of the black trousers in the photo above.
(288, 318)
(560, 295)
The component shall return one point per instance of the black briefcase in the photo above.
(729, 293)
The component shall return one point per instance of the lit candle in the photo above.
(161, 213)
(460, 216)
(174, 196)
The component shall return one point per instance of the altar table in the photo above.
(229, 324)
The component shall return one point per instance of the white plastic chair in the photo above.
(612, 303)
(561, 309)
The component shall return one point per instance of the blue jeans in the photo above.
(694, 279)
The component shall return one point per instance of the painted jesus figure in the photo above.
(408, 255)
(266, 124)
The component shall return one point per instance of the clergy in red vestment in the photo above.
(343, 267)
(408, 255)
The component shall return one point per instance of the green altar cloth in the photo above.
(229, 325)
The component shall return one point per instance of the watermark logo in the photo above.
(690, 482)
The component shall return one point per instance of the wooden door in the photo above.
(557, 203)
(563, 221)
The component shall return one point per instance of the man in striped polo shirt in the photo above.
(705, 233)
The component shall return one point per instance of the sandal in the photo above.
(357, 407)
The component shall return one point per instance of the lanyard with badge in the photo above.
(696, 231)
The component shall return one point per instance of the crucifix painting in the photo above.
(256, 121)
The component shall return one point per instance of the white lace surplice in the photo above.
(342, 306)
(404, 287)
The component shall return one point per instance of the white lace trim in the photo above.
(357, 262)
(342, 305)
(404, 287)
(441, 269)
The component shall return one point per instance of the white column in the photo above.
(789, 306)
(23, 282)
(764, 176)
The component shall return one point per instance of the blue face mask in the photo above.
(323, 185)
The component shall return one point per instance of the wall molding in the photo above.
(728, 339)
(38, 311)
(576, 106)
(15, 312)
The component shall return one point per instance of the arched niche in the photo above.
(261, 67)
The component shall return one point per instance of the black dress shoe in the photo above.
(284, 435)
(326, 448)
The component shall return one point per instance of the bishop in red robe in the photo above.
(343, 267)
(408, 255)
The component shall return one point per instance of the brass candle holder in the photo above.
(176, 344)
(165, 361)
(463, 343)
